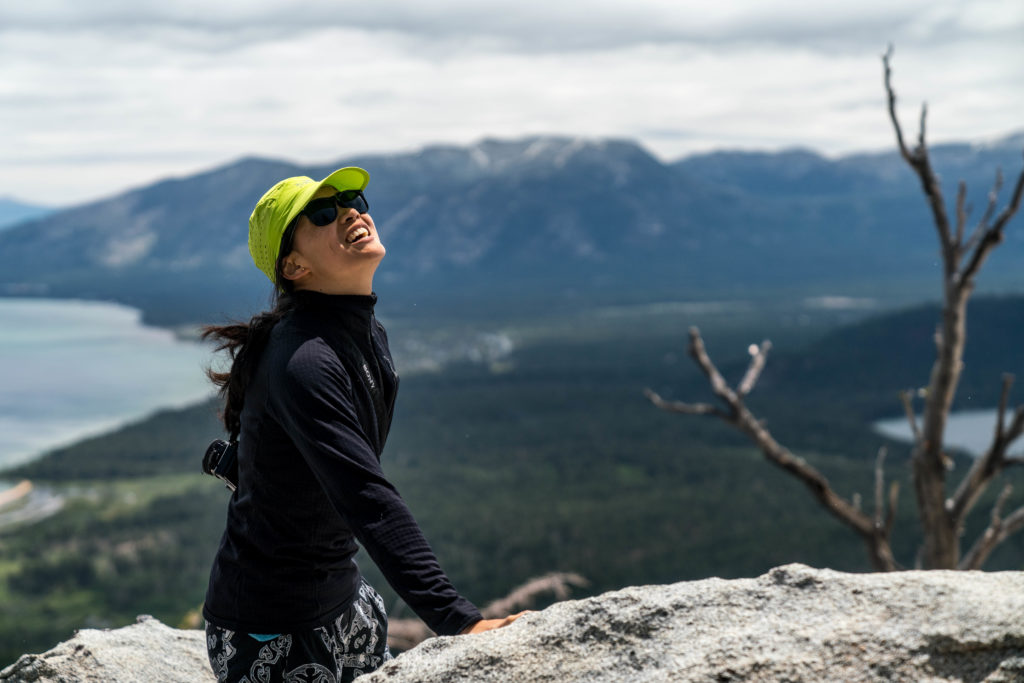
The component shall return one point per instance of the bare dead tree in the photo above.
(874, 530)
(942, 518)
(404, 634)
(558, 584)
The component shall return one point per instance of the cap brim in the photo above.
(348, 178)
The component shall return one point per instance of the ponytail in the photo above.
(245, 343)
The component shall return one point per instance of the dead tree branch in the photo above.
(907, 398)
(558, 584)
(993, 203)
(961, 212)
(993, 200)
(894, 499)
(680, 407)
(883, 520)
(740, 417)
(759, 355)
(919, 160)
(992, 462)
(405, 634)
(879, 484)
(990, 237)
(998, 530)
(941, 519)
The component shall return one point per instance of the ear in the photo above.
(292, 270)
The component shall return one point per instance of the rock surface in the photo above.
(792, 624)
(145, 651)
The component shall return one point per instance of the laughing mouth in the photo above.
(356, 235)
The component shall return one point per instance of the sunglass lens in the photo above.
(352, 199)
(325, 210)
(324, 216)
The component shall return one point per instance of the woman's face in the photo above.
(338, 258)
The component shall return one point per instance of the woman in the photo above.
(309, 397)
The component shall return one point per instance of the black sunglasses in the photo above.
(324, 211)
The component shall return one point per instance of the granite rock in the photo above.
(145, 651)
(792, 624)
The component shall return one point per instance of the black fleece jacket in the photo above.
(314, 422)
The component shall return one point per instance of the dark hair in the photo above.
(245, 342)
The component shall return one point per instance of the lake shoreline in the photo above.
(971, 431)
(75, 369)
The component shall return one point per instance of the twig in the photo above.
(993, 199)
(759, 354)
(992, 461)
(961, 212)
(892, 108)
(700, 355)
(1004, 398)
(994, 235)
(921, 164)
(879, 486)
(680, 407)
(405, 634)
(990, 209)
(907, 397)
(894, 497)
(884, 525)
(1013, 433)
(558, 583)
(740, 417)
(922, 148)
(998, 531)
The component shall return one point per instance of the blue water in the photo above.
(70, 369)
(971, 430)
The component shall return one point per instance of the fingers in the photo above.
(512, 617)
(491, 624)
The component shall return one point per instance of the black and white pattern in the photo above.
(354, 644)
(219, 641)
(355, 638)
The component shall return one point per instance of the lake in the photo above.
(970, 430)
(71, 369)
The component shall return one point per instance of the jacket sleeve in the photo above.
(316, 407)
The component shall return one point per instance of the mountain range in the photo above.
(536, 221)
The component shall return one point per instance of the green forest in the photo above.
(550, 460)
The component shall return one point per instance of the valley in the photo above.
(547, 459)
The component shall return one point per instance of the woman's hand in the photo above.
(490, 624)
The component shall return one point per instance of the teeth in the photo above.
(357, 234)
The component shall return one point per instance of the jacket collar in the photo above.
(357, 305)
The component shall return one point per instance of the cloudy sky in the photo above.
(100, 96)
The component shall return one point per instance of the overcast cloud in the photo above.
(100, 96)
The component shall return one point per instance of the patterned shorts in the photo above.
(354, 644)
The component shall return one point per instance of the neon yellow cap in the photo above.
(277, 208)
